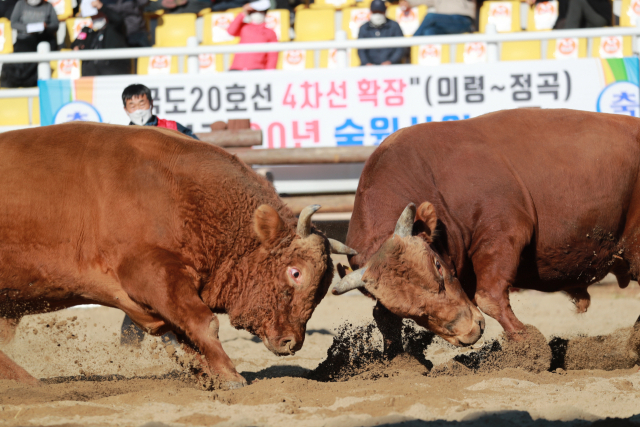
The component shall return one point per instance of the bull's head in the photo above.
(411, 280)
(294, 272)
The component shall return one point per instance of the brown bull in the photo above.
(165, 228)
(536, 199)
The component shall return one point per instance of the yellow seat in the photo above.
(208, 63)
(215, 26)
(314, 25)
(279, 21)
(471, 53)
(430, 54)
(566, 48)
(6, 35)
(629, 13)
(612, 47)
(157, 65)
(521, 51)
(63, 8)
(296, 60)
(410, 22)
(504, 14)
(75, 26)
(35, 111)
(546, 9)
(352, 19)
(14, 111)
(332, 4)
(174, 30)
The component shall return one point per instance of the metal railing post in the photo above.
(193, 64)
(636, 39)
(44, 68)
(341, 54)
(492, 47)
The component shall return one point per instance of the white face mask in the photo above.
(257, 18)
(140, 117)
(99, 24)
(377, 19)
(34, 2)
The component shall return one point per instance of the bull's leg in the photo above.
(390, 327)
(159, 281)
(9, 370)
(496, 262)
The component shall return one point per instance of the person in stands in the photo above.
(138, 104)
(589, 14)
(132, 11)
(449, 17)
(107, 32)
(250, 27)
(35, 21)
(380, 26)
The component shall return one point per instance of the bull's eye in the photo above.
(295, 274)
(438, 267)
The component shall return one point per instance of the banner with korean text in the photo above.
(354, 106)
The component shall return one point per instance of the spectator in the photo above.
(450, 16)
(380, 26)
(35, 21)
(108, 32)
(133, 13)
(588, 14)
(138, 105)
(250, 26)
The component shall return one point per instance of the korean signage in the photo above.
(354, 106)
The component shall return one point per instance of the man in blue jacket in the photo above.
(380, 26)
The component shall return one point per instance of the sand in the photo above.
(90, 380)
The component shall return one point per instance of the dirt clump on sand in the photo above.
(619, 350)
(357, 351)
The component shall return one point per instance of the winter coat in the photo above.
(450, 7)
(24, 14)
(378, 56)
(251, 33)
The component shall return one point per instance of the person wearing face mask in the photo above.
(450, 16)
(250, 27)
(107, 32)
(380, 26)
(138, 105)
(35, 21)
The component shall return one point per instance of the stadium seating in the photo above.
(612, 47)
(471, 53)
(629, 13)
(208, 63)
(296, 60)
(63, 8)
(158, 65)
(505, 15)
(332, 4)
(15, 112)
(66, 68)
(6, 36)
(174, 29)
(279, 20)
(409, 22)
(352, 19)
(543, 16)
(314, 25)
(521, 51)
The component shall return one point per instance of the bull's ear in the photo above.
(268, 224)
(426, 214)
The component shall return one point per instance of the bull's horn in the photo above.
(341, 248)
(304, 220)
(350, 281)
(404, 226)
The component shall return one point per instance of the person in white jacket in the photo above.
(450, 16)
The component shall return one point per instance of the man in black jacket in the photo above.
(380, 26)
(107, 33)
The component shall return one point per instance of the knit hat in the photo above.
(260, 5)
(378, 6)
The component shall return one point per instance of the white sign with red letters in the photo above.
(364, 105)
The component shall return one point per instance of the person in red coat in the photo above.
(251, 28)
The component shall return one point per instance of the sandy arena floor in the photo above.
(84, 342)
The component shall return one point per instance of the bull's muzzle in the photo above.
(468, 329)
